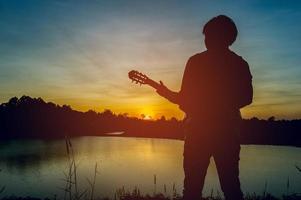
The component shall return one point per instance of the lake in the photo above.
(37, 167)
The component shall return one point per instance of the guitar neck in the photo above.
(153, 83)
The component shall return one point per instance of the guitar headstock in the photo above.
(138, 77)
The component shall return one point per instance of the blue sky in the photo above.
(79, 52)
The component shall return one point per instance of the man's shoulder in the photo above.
(205, 55)
(238, 58)
(241, 63)
(198, 57)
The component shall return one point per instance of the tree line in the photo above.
(28, 117)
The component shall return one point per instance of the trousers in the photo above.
(198, 150)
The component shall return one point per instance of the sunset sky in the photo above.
(79, 52)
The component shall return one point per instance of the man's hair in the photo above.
(221, 27)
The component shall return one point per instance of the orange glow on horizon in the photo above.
(153, 107)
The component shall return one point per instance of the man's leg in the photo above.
(195, 168)
(227, 164)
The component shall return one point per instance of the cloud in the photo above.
(80, 52)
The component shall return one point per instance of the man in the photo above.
(216, 84)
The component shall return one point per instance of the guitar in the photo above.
(142, 79)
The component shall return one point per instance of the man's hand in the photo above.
(163, 90)
(167, 93)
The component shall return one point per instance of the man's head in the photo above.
(220, 32)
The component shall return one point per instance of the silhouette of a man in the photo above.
(215, 85)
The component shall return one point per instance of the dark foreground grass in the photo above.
(134, 196)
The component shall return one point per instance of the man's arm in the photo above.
(176, 97)
(246, 88)
(168, 94)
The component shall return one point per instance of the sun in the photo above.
(147, 117)
(147, 113)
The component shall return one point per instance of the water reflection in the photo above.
(36, 167)
(24, 155)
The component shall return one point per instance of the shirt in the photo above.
(215, 85)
